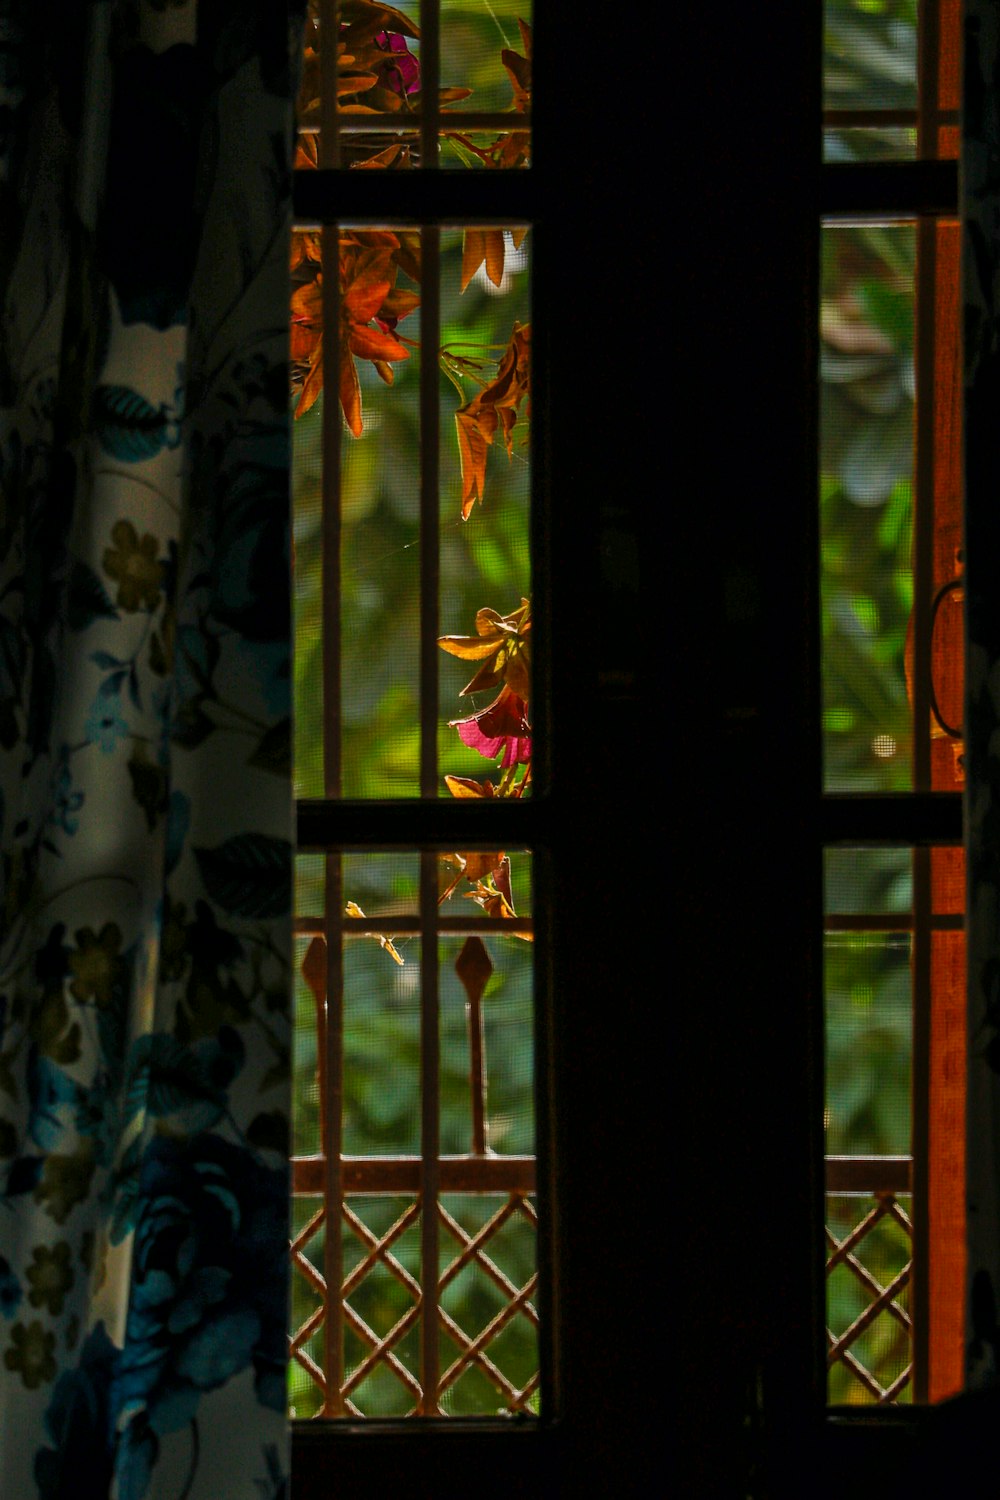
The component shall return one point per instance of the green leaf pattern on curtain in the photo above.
(145, 802)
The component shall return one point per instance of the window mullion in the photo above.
(920, 961)
(333, 1112)
(430, 568)
(430, 1145)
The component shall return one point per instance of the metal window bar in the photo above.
(333, 826)
(425, 1179)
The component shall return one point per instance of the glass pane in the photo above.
(880, 100)
(890, 489)
(377, 67)
(868, 1039)
(895, 1122)
(866, 497)
(484, 46)
(874, 881)
(871, 143)
(870, 67)
(360, 579)
(414, 1085)
(381, 1021)
(485, 412)
(485, 75)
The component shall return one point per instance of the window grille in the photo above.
(413, 1225)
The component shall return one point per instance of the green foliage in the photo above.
(866, 464)
(870, 62)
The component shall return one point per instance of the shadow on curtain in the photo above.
(145, 800)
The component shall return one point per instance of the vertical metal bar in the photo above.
(928, 77)
(923, 499)
(477, 1072)
(333, 1187)
(543, 272)
(923, 586)
(919, 1130)
(430, 338)
(331, 536)
(430, 80)
(333, 1270)
(329, 156)
(329, 132)
(430, 563)
(429, 1135)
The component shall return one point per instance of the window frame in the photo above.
(593, 869)
(751, 192)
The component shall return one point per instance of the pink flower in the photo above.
(402, 73)
(504, 724)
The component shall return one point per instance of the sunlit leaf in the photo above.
(352, 909)
(496, 405)
(502, 644)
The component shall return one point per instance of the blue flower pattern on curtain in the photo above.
(145, 800)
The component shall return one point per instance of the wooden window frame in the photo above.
(587, 827)
(750, 1410)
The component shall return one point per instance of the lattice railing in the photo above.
(367, 1352)
(869, 1266)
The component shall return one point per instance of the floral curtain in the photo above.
(145, 803)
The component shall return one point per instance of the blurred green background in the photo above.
(870, 62)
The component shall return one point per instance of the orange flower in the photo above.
(369, 263)
(496, 406)
(503, 646)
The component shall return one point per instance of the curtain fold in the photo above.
(145, 799)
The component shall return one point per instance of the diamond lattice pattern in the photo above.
(869, 1333)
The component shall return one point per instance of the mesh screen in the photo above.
(880, 104)
(485, 67)
(866, 490)
(868, 1043)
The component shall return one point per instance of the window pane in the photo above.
(894, 1114)
(891, 79)
(868, 1005)
(866, 495)
(369, 550)
(480, 45)
(379, 75)
(891, 575)
(485, 505)
(414, 1095)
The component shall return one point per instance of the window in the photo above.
(587, 677)
(892, 660)
(752, 848)
(892, 650)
